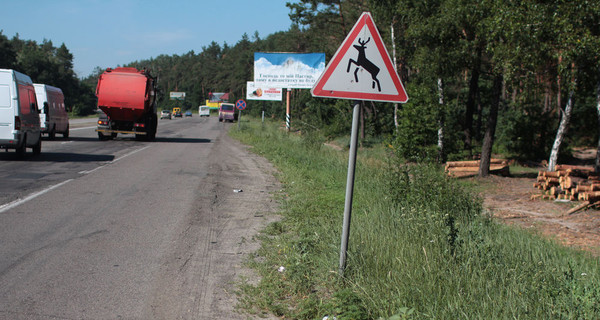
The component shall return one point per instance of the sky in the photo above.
(108, 33)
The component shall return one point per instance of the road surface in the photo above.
(125, 229)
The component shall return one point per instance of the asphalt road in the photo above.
(125, 229)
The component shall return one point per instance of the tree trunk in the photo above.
(441, 123)
(471, 102)
(490, 131)
(597, 165)
(562, 128)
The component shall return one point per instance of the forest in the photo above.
(519, 78)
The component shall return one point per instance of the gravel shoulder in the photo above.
(234, 203)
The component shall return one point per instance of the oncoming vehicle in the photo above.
(177, 112)
(227, 112)
(204, 111)
(188, 113)
(53, 114)
(19, 113)
(165, 114)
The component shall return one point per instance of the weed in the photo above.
(420, 246)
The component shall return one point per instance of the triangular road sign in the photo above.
(361, 68)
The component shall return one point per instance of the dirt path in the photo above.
(235, 202)
(508, 198)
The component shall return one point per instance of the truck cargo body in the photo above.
(128, 99)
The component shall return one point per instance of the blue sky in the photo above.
(107, 33)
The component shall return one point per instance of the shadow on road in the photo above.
(63, 157)
(182, 140)
(132, 138)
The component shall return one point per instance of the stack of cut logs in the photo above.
(575, 183)
(471, 168)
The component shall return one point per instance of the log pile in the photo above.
(471, 168)
(567, 182)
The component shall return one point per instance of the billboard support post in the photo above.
(287, 111)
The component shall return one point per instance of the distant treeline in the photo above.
(497, 72)
(47, 64)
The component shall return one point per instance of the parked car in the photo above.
(204, 111)
(188, 113)
(19, 113)
(165, 114)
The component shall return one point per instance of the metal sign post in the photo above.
(349, 186)
(241, 105)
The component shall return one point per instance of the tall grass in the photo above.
(420, 246)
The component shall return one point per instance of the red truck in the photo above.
(127, 97)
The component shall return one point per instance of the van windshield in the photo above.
(226, 107)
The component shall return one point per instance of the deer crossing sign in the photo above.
(361, 68)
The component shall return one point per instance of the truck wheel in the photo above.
(153, 127)
(52, 133)
(20, 151)
(66, 133)
(37, 149)
(102, 137)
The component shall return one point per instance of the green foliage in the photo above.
(540, 48)
(420, 247)
(527, 132)
(416, 137)
(46, 64)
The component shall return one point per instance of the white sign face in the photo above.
(361, 69)
(176, 95)
(288, 70)
(257, 92)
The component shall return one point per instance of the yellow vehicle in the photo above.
(177, 112)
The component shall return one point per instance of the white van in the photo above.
(53, 114)
(204, 111)
(19, 113)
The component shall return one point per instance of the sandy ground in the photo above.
(509, 201)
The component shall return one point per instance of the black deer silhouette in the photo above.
(363, 62)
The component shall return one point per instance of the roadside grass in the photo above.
(420, 245)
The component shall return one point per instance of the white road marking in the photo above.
(7, 206)
(73, 129)
(115, 160)
(18, 202)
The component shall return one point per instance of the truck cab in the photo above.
(227, 112)
(177, 112)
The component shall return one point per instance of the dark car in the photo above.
(188, 113)
(177, 114)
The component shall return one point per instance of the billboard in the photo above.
(288, 70)
(258, 92)
(176, 95)
(218, 96)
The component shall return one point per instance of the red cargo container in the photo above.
(128, 98)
